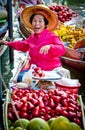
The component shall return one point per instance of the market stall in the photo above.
(44, 96)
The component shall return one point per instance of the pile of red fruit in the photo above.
(38, 72)
(44, 104)
(63, 12)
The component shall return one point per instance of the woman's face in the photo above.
(38, 23)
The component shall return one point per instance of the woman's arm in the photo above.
(3, 42)
(17, 45)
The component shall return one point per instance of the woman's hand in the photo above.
(44, 49)
(2, 42)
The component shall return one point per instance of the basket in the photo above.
(68, 87)
(5, 109)
(8, 99)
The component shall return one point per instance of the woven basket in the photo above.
(6, 109)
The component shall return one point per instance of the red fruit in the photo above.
(65, 103)
(51, 92)
(43, 117)
(58, 110)
(72, 114)
(24, 107)
(79, 114)
(46, 102)
(34, 95)
(42, 111)
(71, 109)
(24, 99)
(30, 116)
(72, 105)
(51, 103)
(77, 121)
(53, 113)
(46, 97)
(19, 94)
(15, 97)
(41, 103)
(24, 115)
(34, 101)
(47, 117)
(56, 98)
(65, 113)
(30, 106)
(36, 112)
(10, 116)
(72, 101)
(48, 109)
(18, 105)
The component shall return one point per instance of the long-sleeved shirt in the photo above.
(33, 44)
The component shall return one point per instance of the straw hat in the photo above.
(39, 9)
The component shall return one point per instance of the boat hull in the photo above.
(23, 30)
(74, 63)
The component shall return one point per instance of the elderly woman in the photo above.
(43, 46)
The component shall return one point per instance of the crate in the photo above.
(7, 100)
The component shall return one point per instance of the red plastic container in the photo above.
(72, 89)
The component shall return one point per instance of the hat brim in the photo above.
(51, 16)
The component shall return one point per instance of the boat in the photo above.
(75, 57)
(74, 63)
(25, 32)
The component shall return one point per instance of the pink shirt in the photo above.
(33, 44)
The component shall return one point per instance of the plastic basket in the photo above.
(72, 89)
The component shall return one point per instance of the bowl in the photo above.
(74, 88)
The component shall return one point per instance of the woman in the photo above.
(43, 46)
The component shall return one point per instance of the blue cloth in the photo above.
(21, 75)
(3, 28)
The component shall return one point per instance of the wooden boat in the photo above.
(74, 63)
(25, 32)
(73, 60)
(75, 57)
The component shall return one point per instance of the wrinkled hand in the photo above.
(44, 49)
(2, 42)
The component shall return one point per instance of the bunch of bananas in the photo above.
(69, 34)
